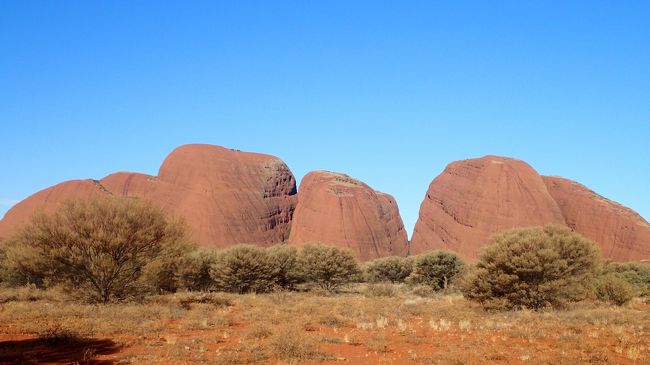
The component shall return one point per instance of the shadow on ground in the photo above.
(47, 351)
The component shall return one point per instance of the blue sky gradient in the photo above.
(387, 92)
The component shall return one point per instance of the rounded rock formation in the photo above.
(224, 196)
(473, 199)
(622, 234)
(335, 209)
(48, 200)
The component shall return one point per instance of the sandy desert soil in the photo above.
(357, 327)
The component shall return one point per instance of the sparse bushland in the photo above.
(305, 327)
(436, 269)
(97, 249)
(534, 268)
(329, 267)
(392, 269)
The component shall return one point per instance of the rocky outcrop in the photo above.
(473, 199)
(224, 196)
(622, 234)
(48, 200)
(336, 209)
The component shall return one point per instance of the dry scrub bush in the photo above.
(613, 288)
(392, 269)
(180, 267)
(96, 248)
(292, 345)
(533, 268)
(635, 273)
(287, 270)
(435, 269)
(243, 269)
(329, 267)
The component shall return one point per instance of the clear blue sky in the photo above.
(387, 92)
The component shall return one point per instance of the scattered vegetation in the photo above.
(534, 268)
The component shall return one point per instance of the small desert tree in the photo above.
(243, 269)
(287, 270)
(392, 269)
(436, 269)
(329, 267)
(533, 268)
(97, 248)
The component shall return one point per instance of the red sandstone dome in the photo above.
(622, 234)
(473, 199)
(225, 196)
(336, 209)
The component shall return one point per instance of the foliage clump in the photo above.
(534, 268)
(97, 249)
(613, 288)
(287, 270)
(436, 269)
(329, 267)
(392, 269)
(243, 269)
(635, 273)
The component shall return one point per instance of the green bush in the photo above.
(392, 269)
(635, 273)
(329, 267)
(613, 288)
(243, 269)
(533, 268)
(195, 274)
(435, 269)
(97, 248)
(287, 270)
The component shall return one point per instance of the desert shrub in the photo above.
(287, 270)
(194, 275)
(635, 273)
(533, 268)
(392, 269)
(180, 267)
(95, 248)
(435, 269)
(243, 269)
(613, 288)
(329, 267)
(292, 345)
(21, 265)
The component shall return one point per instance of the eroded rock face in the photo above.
(473, 199)
(336, 209)
(224, 196)
(622, 234)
